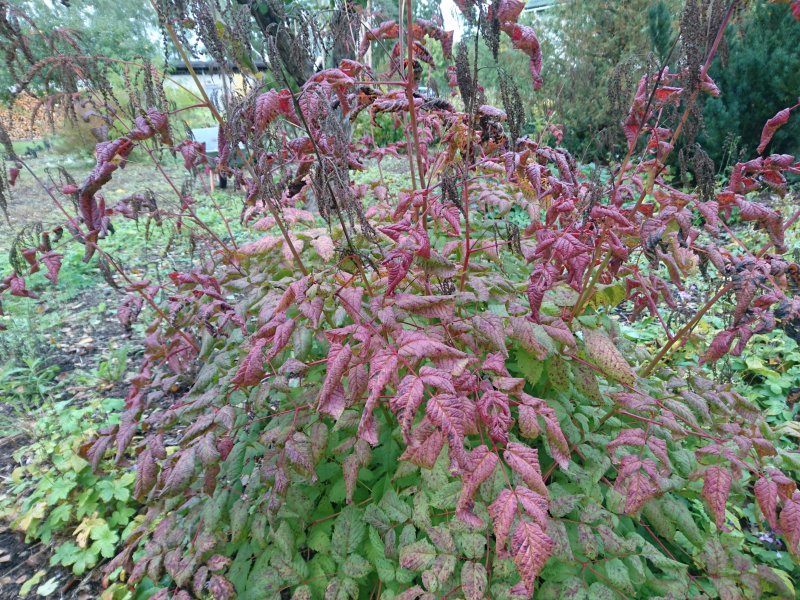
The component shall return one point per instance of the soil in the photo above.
(83, 338)
(30, 204)
(81, 344)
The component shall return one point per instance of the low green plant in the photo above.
(55, 497)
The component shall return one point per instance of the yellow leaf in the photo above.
(37, 512)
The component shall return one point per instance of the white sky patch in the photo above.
(452, 18)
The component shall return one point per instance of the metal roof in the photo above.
(539, 4)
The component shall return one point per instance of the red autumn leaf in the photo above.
(525, 462)
(481, 463)
(495, 414)
(409, 397)
(418, 345)
(530, 548)
(251, 370)
(771, 126)
(716, 487)
(790, 522)
(766, 492)
(332, 403)
(270, 106)
(382, 369)
(719, 347)
(438, 307)
(447, 412)
(52, 262)
(425, 445)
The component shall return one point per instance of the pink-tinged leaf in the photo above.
(447, 412)
(658, 447)
(450, 215)
(52, 262)
(180, 476)
(502, 511)
(425, 446)
(559, 331)
(283, 333)
(530, 548)
(146, 474)
(716, 487)
(639, 489)
(441, 380)
(331, 403)
(766, 493)
(495, 363)
(398, 262)
(417, 345)
(556, 441)
(524, 333)
(352, 300)
(409, 397)
(633, 400)
(438, 307)
(627, 437)
(489, 327)
(382, 369)
(786, 486)
(529, 422)
(771, 126)
(417, 556)
(324, 247)
(481, 463)
(362, 453)
(473, 580)
(298, 451)
(294, 294)
(251, 370)
(261, 246)
(220, 588)
(495, 414)
(790, 522)
(16, 285)
(525, 462)
(535, 505)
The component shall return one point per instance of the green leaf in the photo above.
(26, 587)
(394, 507)
(385, 569)
(319, 539)
(48, 587)
(472, 545)
(530, 367)
(105, 540)
(348, 533)
(617, 574)
(60, 489)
